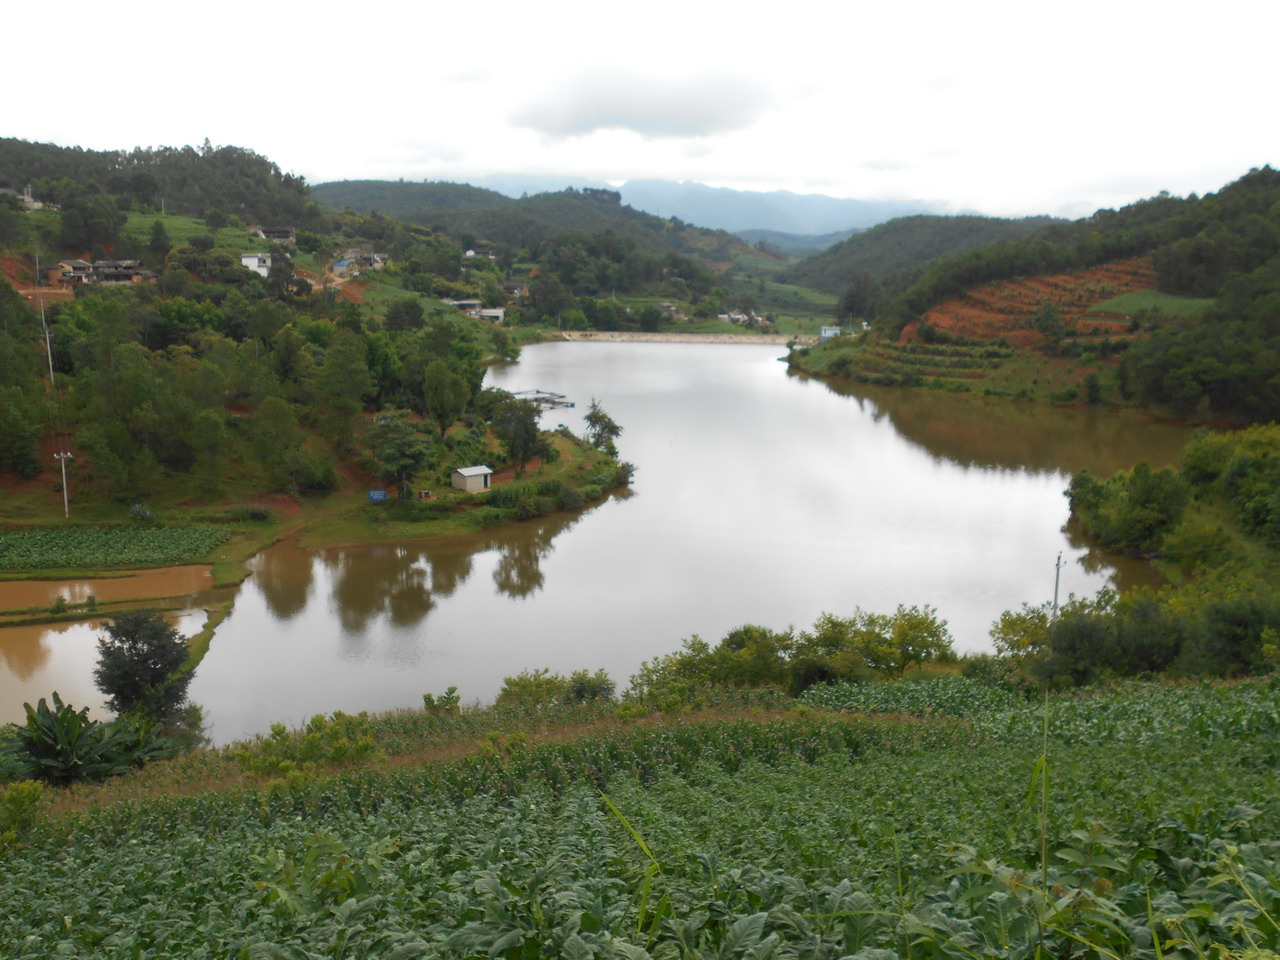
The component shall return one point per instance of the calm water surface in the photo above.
(759, 497)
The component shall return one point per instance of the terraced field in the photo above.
(1004, 309)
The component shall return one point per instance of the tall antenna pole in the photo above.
(64, 455)
(1057, 575)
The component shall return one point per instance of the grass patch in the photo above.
(1160, 304)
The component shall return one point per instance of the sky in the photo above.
(1006, 108)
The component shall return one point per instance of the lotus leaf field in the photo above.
(924, 819)
(59, 548)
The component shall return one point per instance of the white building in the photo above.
(471, 479)
(259, 263)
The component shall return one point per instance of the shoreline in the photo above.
(617, 336)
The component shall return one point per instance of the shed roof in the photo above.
(479, 471)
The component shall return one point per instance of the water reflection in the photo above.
(25, 649)
(1009, 435)
(403, 580)
(366, 634)
(37, 659)
(285, 583)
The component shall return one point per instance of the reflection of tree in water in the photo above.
(519, 573)
(283, 574)
(367, 582)
(1126, 571)
(450, 566)
(404, 580)
(23, 648)
(994, 432)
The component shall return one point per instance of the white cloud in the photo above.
(697, 106)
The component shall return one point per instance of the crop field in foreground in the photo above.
(921, 819)
(47, 548)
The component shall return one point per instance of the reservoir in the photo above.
(759, 497)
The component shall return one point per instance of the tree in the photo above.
(649, 317)
(140, 665)
(343, 384)
(889, 645)
(1092, 388)
(404, 314)
(401, 451)
(602, 429)
(158, 247)
(516, 424)
(446, 394)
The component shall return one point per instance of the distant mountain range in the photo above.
(722, 208)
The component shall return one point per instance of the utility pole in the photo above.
(62, 458)
(1057, 575)
(48, 349)
(65, 455)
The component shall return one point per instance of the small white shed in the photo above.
(471, 479)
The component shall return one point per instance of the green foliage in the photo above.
(399, 448)
(898, 248)
(828, 835)
(602, 429)
(754, 656)
(1131, 510)
(515, 422)
(18, 806)
(542, 688)
(336, 740)
(140, 665)
(64, 746)
(1190, 632)
(446, 704)
(43, 548)
(188, 179)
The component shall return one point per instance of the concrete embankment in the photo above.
(628, 337)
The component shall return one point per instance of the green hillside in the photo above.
(401, 199)
(902, 244)
(1210, 343)
(230, 180)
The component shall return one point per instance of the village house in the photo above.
(27, 201)
(470, 307)
(285, 235)
(259, 263)
(117, 271)
(471, 479)
(71, 272)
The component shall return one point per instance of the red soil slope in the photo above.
(1005, 308)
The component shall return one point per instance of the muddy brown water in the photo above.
(759, 497)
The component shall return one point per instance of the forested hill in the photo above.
(904, 243)
(529, 221)
(185, 180)
(408, 201)
(1223, 247)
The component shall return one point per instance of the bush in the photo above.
(140, 664)
(18, 805)
(64, 746)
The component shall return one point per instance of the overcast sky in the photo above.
(1007, 108)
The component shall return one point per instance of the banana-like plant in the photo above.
(62, 745)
